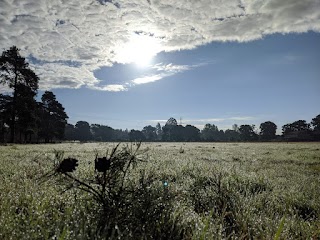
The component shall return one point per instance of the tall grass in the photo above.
(232, 191)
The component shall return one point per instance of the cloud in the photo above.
(207, 120)
(110, 88)
(170, 68)
(165, 70)
(148, 79)
(92, 33)
(203, 121)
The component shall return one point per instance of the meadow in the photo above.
(178, 191)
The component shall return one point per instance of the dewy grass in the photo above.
(242, 190)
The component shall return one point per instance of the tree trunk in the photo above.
(13, 112)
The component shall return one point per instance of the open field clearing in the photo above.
(179, 191)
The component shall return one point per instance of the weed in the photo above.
(126, 207)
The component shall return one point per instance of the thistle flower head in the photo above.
(67, 165)
(102, 164)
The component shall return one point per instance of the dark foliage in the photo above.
(127, 207)
(68, 165)
(20, 114)
(16, 74)
(102, 164)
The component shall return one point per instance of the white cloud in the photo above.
(203, 121)
(148, 79)
(207, 120)
(92, 32)
(171, 68)
(110, 88)
(166, 70)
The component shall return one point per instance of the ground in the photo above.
(218, 190)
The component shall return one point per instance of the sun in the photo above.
(140, 49)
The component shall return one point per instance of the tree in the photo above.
(15, 71)
(150, 133)
(231, 135)
(235, 127)
(5, 106)
(297, 126)
(136, 136)
(26, 113)
(268, 130)
(70, 132)
(171, 122)
(102, 132)
(316, 123)
(210, 132)
(297, 131)
(177, 133)
(191, 133)
(121, 135)
(159, 131)
(167, 130)
(247, 133)
(316, 127)
(82, 131)
(53, 117)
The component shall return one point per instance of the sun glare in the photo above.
(139, 50)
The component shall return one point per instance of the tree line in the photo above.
(24, 120)
(173, 132)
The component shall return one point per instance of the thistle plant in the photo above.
(127, 206)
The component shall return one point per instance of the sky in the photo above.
(128, 64)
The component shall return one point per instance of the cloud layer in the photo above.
(66, 41)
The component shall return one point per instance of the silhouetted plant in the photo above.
(136, 207)
(67, 165)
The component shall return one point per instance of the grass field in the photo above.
(181, 191)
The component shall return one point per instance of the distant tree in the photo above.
(235, 127)
(177, 133)
(53, 118)
(150, 133)
(210, 132)
(221, 135)
(82, 131)
(159, 131)
(316, 123)
(136, 136)
(191, 133)
(297, 126)
(121, 135)
(167, 130)
(232, 135)
(268, 130)
(14, 71)
(102, 133)
(70, 132)
(247, 133)
(297, 131)
(316, 127)
(171, 122)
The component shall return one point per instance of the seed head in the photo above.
(67, 165)
(102, 164)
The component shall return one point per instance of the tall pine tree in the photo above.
(16, 74)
